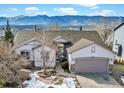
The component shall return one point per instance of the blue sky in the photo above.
(11, 10)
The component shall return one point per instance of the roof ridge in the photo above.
(118, 26)
(80, 44)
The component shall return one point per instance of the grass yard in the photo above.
(119, 67)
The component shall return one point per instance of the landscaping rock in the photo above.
(49, 82)
(24, 74)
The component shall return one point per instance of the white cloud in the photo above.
(3, 15)
(34, 11)
(91, 6)
(31, 9)
(104, 12)
(13, 9)
(44, 13)
(66, 11)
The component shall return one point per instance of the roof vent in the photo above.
(35, 28)
(81, 28)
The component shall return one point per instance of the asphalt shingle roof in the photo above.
(79, 44)
(73, 36)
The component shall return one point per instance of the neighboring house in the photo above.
(87, 56)
(32, 50)
(29, 44)
(30, 47)
(2, 33)
(118, 42)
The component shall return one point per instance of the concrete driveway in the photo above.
(96, 80)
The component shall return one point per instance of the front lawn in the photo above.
(119, 67)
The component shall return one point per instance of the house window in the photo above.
(116, 42)
(120, 50)
(25, 54)
(93, 49)
(72, 59)
(110, 67)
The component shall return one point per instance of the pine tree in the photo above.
(8, 34)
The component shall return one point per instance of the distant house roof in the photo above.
(73, 36)
(2, 32)
(119, 26)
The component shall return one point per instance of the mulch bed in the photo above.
(51, 77)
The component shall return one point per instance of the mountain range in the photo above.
(67, 20)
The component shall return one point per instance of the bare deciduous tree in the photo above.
(45, 42)
(104, 28)
(54, 26)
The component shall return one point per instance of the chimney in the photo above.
(80, 28)
(35, 28)
(3, 28)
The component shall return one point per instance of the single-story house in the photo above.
(87, 56)
(29, 45)
(79, 43)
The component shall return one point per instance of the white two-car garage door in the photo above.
(91, 65)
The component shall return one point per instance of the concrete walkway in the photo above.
(59, 68)
(97, 81)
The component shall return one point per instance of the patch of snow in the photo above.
(69, 82)
(35, 83)
(122, 79)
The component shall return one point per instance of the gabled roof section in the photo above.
(26, 42)
(59, 39)
(80, 44)
(119, 26)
